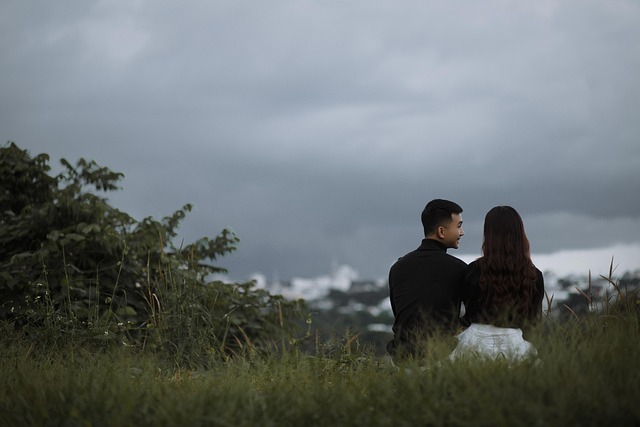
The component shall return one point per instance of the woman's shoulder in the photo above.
(474, 265)
(539, 273)
(539, 276)
(473, 271)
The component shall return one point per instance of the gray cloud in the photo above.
(318, 130)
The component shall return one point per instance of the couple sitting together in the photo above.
(502, 291)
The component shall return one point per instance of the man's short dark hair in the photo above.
(438, 212)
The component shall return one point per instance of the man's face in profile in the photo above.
(452, 232)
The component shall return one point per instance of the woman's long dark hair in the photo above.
(507, 275)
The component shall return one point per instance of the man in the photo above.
(425, 285)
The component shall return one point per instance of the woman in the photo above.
(503, 292)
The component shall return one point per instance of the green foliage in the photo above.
(71, 264)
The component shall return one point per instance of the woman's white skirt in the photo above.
(492, 342)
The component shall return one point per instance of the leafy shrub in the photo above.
(71, 262)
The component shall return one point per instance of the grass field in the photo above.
(589, 376)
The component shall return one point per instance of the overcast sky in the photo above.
(318, 130)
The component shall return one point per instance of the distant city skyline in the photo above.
(564, 264)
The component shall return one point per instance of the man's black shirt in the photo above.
(425, 293)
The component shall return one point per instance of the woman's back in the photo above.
(513, 304)
(502, 291)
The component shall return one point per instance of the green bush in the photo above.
(71, 265)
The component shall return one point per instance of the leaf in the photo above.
(126, 311)
(54, 235)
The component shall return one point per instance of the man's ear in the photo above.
(440, 232)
